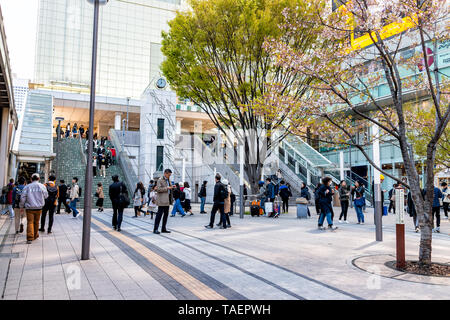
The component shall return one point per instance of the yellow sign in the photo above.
(360, 40)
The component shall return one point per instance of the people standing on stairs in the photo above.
(226, 205)
(445, 198)
(108, 158)
(178, 196)
(391, 195)
(202, 196)
(325, 193)
(103, 166)
(68, 130)
(7, 194)
(359, 201)
(100, 197)
(113, 155)
(62, 199)
(151, 206)
(117, 190)
(164, 199)
(94, 166)
(75, 130)
(188, 197)
(285, 194)
(436, 209)
(82, 131)
(19, 213)
(344, 197)
(33, 199)
(74, 195)
(138, 199)
(316, 198)
(304, 193)
(220, 194)
(50, 204)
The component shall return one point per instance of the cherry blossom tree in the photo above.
(373, 58)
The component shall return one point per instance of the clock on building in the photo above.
(161, 83)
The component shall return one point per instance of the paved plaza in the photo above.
(258, 258)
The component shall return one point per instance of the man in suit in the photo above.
(220, 193)
(163, 201)
(115, 189)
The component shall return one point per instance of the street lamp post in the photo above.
(86, 239)
(58, 139)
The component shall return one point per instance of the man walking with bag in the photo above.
(220, 194)
(118, 194)
(163, 201)
(33, 199)
(50, 204)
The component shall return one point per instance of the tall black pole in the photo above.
(57, 149)
(85, 244)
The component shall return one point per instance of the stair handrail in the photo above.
(124, 162)
(294, 137)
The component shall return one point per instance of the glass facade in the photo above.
(129, 44)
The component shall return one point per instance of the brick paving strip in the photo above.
(198, 288)
(284, 280)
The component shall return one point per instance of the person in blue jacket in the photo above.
(436, 210)
(325, 194)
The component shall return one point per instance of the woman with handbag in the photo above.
(101, 196)
(138, 199)
(359, 201)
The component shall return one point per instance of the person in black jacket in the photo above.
(392, 198)
(218, 203)
(115, 190)
(202, 196)
(62, 197)
(325, 193)
(316, 198)
(285, 193)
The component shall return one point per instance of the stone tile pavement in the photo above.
(258, 258)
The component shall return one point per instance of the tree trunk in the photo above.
(253, 172)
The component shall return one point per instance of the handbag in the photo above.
(360, 202)
(269, 207)
(124, 199)
(96, 194)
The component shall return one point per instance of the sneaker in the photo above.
(228, 225)
(332, 227)
(134, 216)
(362, 222)
(222, 227)
(209, 227)
(165, 231)
(49, 232)
(172, 215)
(156, 232)
(340, 221)
(118, 229)
(345, 221)
(191, 214)
(321, 228)
(28, 241)
(417, 230)
(359, 222)
(437, 230)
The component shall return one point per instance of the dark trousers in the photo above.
(94, 169)
(138, 209)
(117, 215)
(437, 211)
(285, 204)
(227, 216)
(316, 202)
(163, 212)
(50, 208)
(63, 201)
(344, 207)
(391, 206)
(223, 218)
(445, 206)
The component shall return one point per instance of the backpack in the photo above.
(182, 196)
(52, 194)
(79, 191)
(223, 193)
(18, 194)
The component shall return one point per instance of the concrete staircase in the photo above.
(71, 164)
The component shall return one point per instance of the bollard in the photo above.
(400, 227)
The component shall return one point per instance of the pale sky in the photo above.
(20, 19)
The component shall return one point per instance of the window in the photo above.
(159, 158)
(160, 133)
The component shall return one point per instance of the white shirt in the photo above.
(188, 194)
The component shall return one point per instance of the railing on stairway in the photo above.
(131, 179)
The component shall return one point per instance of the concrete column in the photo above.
(378, 205)
(4, 146)
(341, 164)
(118, 121)
(178, 127)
